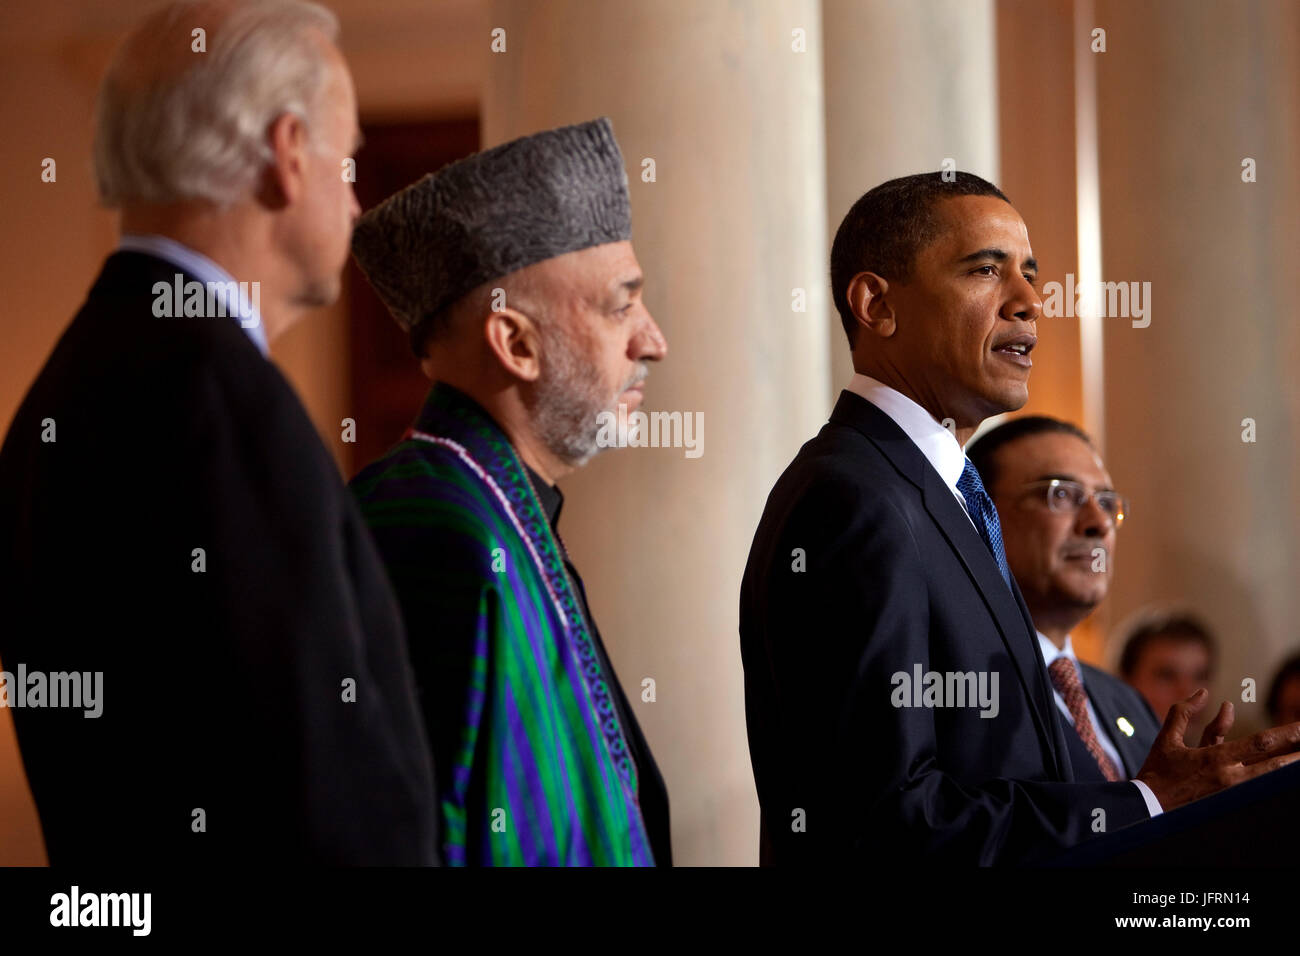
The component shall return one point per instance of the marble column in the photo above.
(908, 85)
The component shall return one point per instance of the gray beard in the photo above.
(566, 402)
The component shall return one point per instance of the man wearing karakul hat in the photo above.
(513, 272)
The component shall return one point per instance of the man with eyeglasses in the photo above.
(1059, 517)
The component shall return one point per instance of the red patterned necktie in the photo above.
(1065, 678)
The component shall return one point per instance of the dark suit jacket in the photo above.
(1113, 699)
(223, 690)
(896, 576)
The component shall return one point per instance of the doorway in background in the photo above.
(387, 387)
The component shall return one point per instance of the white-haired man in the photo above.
(176, 539)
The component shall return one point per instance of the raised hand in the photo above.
(1178, 774)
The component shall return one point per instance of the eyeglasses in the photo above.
(1067, 497)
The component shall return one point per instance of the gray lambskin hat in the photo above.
(490, 214)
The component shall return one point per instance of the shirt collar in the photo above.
(203, 269)
(939, 446)
(1051, 652)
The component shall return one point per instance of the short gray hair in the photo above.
(172, 124)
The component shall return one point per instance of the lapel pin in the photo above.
(1125, 726)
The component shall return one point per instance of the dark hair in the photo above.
(1290, 670)
(1179, 626)
(982, 452)
(888, 226)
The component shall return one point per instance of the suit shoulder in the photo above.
(841, 473)
(116, 351)
(184, 379)
(844, 504)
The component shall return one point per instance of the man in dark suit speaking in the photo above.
(1060, 518)
(897, 702)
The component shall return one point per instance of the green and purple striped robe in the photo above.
(532, 765)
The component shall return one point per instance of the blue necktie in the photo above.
(985, 516)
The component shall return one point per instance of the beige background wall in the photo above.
(1185, 92)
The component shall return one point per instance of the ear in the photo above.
(514, 340)
(871, 306)
(284, 181)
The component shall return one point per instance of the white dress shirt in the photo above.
(1050, 653)
(202, 269)
(942, 450)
